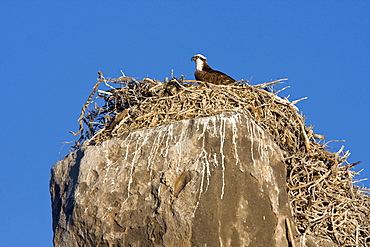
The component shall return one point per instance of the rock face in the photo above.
(212, 181)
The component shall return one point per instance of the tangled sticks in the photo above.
(323, 199)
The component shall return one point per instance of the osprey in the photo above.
(207, 74)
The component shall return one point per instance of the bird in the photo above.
(206, 74)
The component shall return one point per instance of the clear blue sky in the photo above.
(50, 52)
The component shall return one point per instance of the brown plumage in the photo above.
(205, 73)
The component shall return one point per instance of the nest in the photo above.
(325, 202)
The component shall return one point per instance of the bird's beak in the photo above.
(192, 59)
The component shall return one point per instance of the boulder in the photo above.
(211, 181)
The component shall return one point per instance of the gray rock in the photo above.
(212, 181)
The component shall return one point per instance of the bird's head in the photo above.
(200, 60)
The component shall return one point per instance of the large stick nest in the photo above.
(324, 200)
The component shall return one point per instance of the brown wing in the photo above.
(214, 76)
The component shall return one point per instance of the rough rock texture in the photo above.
(212, 181)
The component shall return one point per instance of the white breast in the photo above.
(199, 63)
